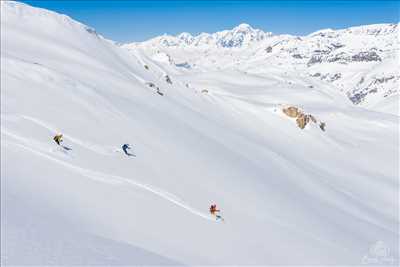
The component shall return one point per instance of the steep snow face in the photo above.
(199, 135)
(361, 62)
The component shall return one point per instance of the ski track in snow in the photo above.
(95, 148)
(109, 178)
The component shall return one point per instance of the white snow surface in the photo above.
(288, 196)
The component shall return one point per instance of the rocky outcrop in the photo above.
(292, 112)
(159, 92)
(321, 56)
(335, 77)
(152, 85)
(168, 79)
(385, 85)
(314, 60)
(302, 119)
(366, 56)
(298, 56)
(329, 77)
(337, 45)
(342, 58)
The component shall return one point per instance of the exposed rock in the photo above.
(302, 119)
(298, 56)
(324, 52)
(383, 79)
(366, 56)
(314, 59)
(204, 91)
(389, 92)
(320, 56)
(168, 79)
(328, 77)
(146, 67)
(385, 85)
(357, 98)
(341, 57)
(150, 84)
(322, 125)
(159, 92)
(337, 45)
(292, 112)
(335, 77)
(91, 31)
(268, 49)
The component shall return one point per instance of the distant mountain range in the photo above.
(361, 61)
(239, 36)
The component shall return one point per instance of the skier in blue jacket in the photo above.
(125, 148)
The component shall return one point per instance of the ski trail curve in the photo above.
(115, 180)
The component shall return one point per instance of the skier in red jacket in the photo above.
(214, 210)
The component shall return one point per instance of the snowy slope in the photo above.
(288, 196)
(361, 62)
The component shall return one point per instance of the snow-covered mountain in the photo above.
(241, 36)
(361, 62)
(301, 175)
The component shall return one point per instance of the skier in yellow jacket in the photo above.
(58, 138)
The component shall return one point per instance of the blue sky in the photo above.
(125, 20)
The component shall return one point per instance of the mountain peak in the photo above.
(241, 35)
(243, 27)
